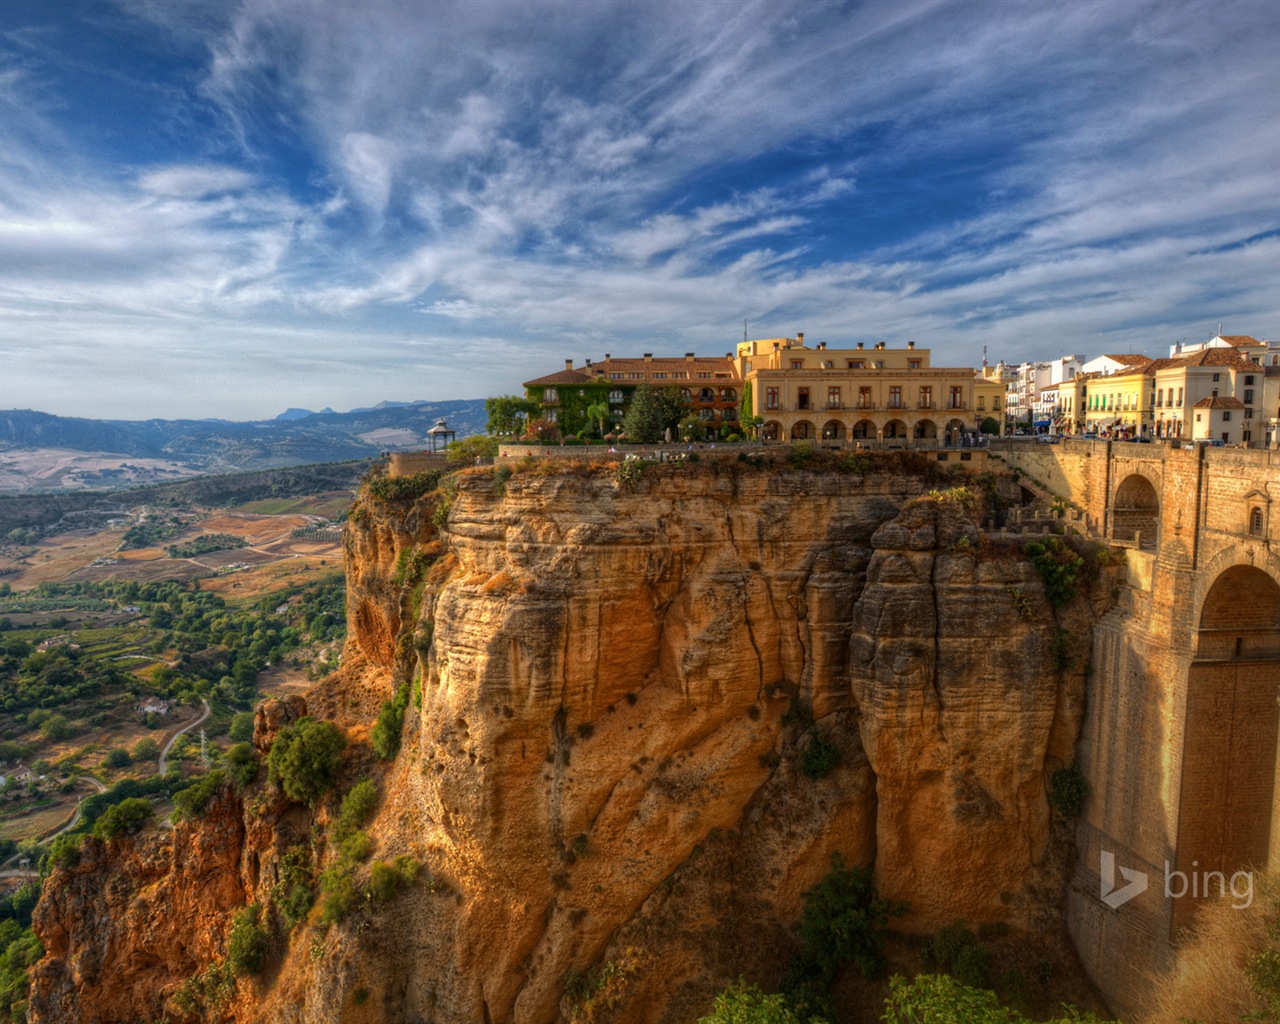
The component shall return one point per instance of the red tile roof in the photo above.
(599, 372)
(561, 377)
(1219, 403)
(1129, 358)
(1240, 340)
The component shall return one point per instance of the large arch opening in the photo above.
(770, 431)
(802, 430)
(926, 429)
(1226, 811)
(833, 430)
(1136, 510)
(895, 428)
(864, 429)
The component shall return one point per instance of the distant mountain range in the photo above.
(181, 447)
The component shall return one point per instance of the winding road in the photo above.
(161, 765)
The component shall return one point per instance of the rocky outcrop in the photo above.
(618, 684)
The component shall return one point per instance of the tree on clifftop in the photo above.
(508, 414)
(304, 758)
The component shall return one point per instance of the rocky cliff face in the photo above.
(619, 684)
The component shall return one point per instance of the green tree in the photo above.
(746, 1004)
(647, 416)
(691, 428)
(508, 414)
(467, 450)
(125, 818)
(146, 749)
(599, 413)
(118, 757)
(305, 757)
(241, 727)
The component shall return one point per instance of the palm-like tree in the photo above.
(599, 412)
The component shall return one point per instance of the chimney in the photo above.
(879, 345)
(588, 364)
(775, 346)
(822, 346)
(688, 357)
(800, 338)
(728, 355)
(911, 344)
(568, 364)
(859, 345)
(607, 356)
(648, 357)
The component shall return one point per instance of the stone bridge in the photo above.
(1179, 744)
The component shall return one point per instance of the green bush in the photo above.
(242, 764)
(741, 1003)
(292, 894)
(1058, 566)
(247, 947)
(356, 847)
(126, 818)
(819, 758)
(191, 802)
(241, 729)
(305, 758)
(357, 806)
(145, 750)
(403, 488)
(64, 851)
(117, 757)
(844, 921)
(940, 999)
(340, 893)
(390, 724)
(1067, 790)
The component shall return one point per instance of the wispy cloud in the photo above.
(343, 194)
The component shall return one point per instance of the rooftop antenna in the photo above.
(984, 357)
(744, 331)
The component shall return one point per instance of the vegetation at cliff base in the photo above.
(941, 999)
(403, 488)
(304, 759)
(746, 1004)
(1058, 566)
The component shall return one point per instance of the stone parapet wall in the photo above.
(408, 463)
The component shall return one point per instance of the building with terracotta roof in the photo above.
(710, 386)
(1182, 384)
(800, 392)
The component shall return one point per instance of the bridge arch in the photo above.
(1136, 509)
(1227, 804)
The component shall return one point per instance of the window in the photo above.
(1226, 438)
(797, 364)
(550, 395)
(706, 395)
(1217, 377)
(895, 396)
(707, 414)
(1248, 395)
(1248, 413)
(926, 397)
(913, 364)
(864, 398)
(1248, 381)
(833, 398)
(982, 403)
(730, 414)
(957, 398)
(995, 405)
(1226, 415)
(659, 376)
(704, 375)
(1179, 396)
(615, 396)
(802, 399)
(1255, 522)
(857, 364)
(1160, 399)
(879, 364)
(548, 415)
(771, 398)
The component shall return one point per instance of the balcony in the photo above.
(834, 406)
(923, 404)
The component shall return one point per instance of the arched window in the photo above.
(615, 395)
(1255, 522)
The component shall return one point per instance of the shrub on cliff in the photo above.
(192, 801)
(304, 758)
(1067, 790)
(126, 818)
(1058, 566)
(403, 488)
(844, 921)
(390, 724)
(247, 947)
(819, 758)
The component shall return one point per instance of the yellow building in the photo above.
(862, 393)
(1116, 403)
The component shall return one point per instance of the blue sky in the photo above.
(221, 209)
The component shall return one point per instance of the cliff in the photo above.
(619, 688)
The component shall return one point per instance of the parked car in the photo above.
(1205, 442)
(1049, 439)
